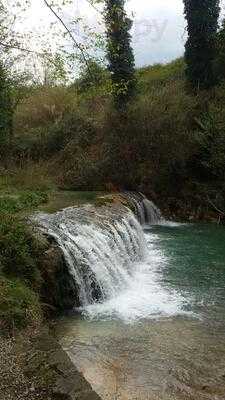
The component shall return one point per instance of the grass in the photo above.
(62, 199)
(21, 201)
(30, 176)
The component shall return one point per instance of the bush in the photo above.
(73, 128)
(30, 177)
(159, 75)
(154, 140)
(208, 164)
(44, 107)
(23, 201)
(95, 77)
(83, 174)
(18, 251)
(19, 306)
(5, 109)
(165, 140)
(80, 161)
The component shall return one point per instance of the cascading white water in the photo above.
(100, 248)
(146, 210)
(108, 257)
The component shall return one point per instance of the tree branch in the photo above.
(93, 6)
(215, 207)
(17, 47)
(79, 47)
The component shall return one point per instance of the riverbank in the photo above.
(31, 283)
(32, 266)
(34, 366)
(193, 208)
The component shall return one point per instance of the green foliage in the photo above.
(210, 135)
(29, 177)
(119, 52)
(93, 77)
(81, 173)
(21, 202)
(72, 128)
(164, 139)
(19, 306)
(159, 75)
(18, 250)
(54, 70)
(80, 156)
(202, 23)
(33, 199)
(5, 109)
(158, 142)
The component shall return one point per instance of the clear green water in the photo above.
(196, 266)
(173, 355)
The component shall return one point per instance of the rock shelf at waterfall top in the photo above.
(107, 257)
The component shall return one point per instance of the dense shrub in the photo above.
(210, 159)
(74, 128)
(94, 78)
(159, 75)
(5, 109)
(81, 162)
(43, 107)
(154, 140)
(27, 177)
(18, 251)
(25, 200)
(19, 306)
(165, 140)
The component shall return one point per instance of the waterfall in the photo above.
(101, 245)
(145, 210)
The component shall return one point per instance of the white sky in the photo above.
(158, 31)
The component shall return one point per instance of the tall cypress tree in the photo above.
(202, 23)
(119, 51)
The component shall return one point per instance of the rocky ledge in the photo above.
(34, 366)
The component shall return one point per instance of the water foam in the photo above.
(144, 297)
(115, 266)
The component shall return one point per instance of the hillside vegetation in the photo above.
(168, 143)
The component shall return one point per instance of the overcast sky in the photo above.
(158, 31)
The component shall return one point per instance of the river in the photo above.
(162, 335)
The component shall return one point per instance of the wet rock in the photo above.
(67, 382)
(58, 288)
